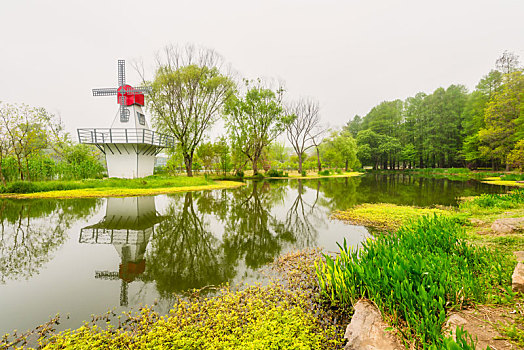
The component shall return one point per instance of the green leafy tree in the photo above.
(255, 119)
(188, 93)
(503, 113)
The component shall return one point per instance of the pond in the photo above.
(79, 257)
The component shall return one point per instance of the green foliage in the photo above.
(303, 173)
(255, 119)
(276, 173)
(501, 201)
(340, 150)
(255, 318)
(21, 187)
(512, 177)
(188, 92)
(501, 118)
(154, 181)
(384, 215)
(324, 172)
(415, 275)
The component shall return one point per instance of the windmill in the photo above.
(126, 94)
(129, 145)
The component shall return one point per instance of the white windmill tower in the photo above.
(129, 145)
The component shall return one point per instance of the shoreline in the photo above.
(101, 192)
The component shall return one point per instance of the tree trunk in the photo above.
(300, 163)
(188, 162)
(347, 163)
(318, 160)
(255, 165)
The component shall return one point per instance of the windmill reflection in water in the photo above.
(128, 225)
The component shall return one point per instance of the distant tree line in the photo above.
(449, 127)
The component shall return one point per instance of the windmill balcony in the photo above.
(123, 136)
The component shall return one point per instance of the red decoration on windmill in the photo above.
(126, 94)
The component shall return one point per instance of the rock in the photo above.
(454, 321)
(367, 330)
(517, 279)
(508, 225)
(519, 256)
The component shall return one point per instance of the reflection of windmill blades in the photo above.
(123, 294)
(105, 92)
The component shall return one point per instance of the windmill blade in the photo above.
(121, 72)
(140, 90)
(105, 92)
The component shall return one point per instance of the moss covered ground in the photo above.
(384, 215)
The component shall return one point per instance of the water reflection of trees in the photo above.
(184, 252)
(252, 233)
(303, 217)
(30, 230)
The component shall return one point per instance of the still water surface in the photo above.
(79, 257)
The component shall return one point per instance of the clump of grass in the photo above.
(383, 215)
(513, 177)
(416, 275)
(494, 201)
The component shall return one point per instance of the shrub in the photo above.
(304, 174)
(239, 173)
(324, 172)
(276, 173)
(416, 275)
(21, 187)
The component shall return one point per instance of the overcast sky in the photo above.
(350, 55)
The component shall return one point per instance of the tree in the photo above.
(223, 154)
(25, 131)
(255, 119)
(340, 149)
(516, 156)
(354, 125)
(206, 153)
(508, 63)
(503, 112)
(188, 93)
(304, 127)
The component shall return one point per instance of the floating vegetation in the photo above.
(384, 215)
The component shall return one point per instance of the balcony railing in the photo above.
(139, 136)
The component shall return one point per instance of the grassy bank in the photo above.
(462, 174)
(431, 267)
(383, 215)
(314, 175)
(112, 187)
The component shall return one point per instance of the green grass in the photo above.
(493, 202)
(416, 275)
(513, 177)
(149, 182)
